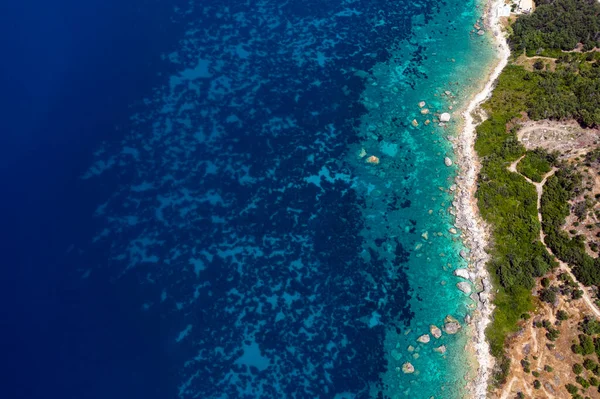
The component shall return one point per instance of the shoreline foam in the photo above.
(468, 219)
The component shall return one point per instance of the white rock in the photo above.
(448, 161)
(464, 287)
(408, 368)
(452, 230)
(422, 104)
(441, 349)
(445, 117)
(463, 273)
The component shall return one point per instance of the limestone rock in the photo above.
(427, 122)
(480, 32)
(462, 273)
(424, 111)
(425, 235)
(410, 348)
(440, 349)
(452, 230)
(451, 325)
(435, 331)
(415, 123)
(448, 161)
(424, 338)
(464, 255)
(445, 117)
(362, 153)
(408, 368)
(421, 104)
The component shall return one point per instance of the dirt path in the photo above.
(539, 187)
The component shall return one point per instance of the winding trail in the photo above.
(539, 187)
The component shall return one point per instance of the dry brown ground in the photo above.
(531, 343)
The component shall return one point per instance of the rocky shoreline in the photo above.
(468, 220)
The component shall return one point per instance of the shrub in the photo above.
(572, 389)
(562, 315)
(582, 381)
(577, 368)
(548, 368)
(537, 384)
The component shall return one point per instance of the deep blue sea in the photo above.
(232, 199)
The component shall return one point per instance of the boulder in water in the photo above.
(445, 117)
(435, 331)
(424, 338)
(451, 325)
(408, 368)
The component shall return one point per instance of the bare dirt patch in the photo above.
(551, 361)
(567, 137)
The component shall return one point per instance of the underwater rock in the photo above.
(445, 117)
(464, 287)
(440, 349)
(464, 255)
(424, 111)
(362, 153)
(415, 123)
(408, 368)
(373, 160)
(480, 32)
(422, 104)
(448, 161)
(425, 235)
(427, 122)
(435, 331)
(452, 230)
(424, 338)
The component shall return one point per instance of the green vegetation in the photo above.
(562, 315)
(506, 200)
(557, 191)
(536, 164)
(577, 368)
(509, 203)
(557, 24)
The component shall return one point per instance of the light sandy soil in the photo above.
(566, 137)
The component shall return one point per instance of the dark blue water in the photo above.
(188, 207)
(70, 70)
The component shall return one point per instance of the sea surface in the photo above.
(192, 206)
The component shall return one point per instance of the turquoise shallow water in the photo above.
(412, 166)
(283, 264)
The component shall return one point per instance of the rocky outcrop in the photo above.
(408, 368)
(462, 273)
(448, 161)
(440, 349)
(445, 117)
(464, 287)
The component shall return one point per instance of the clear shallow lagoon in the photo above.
(235, 217)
